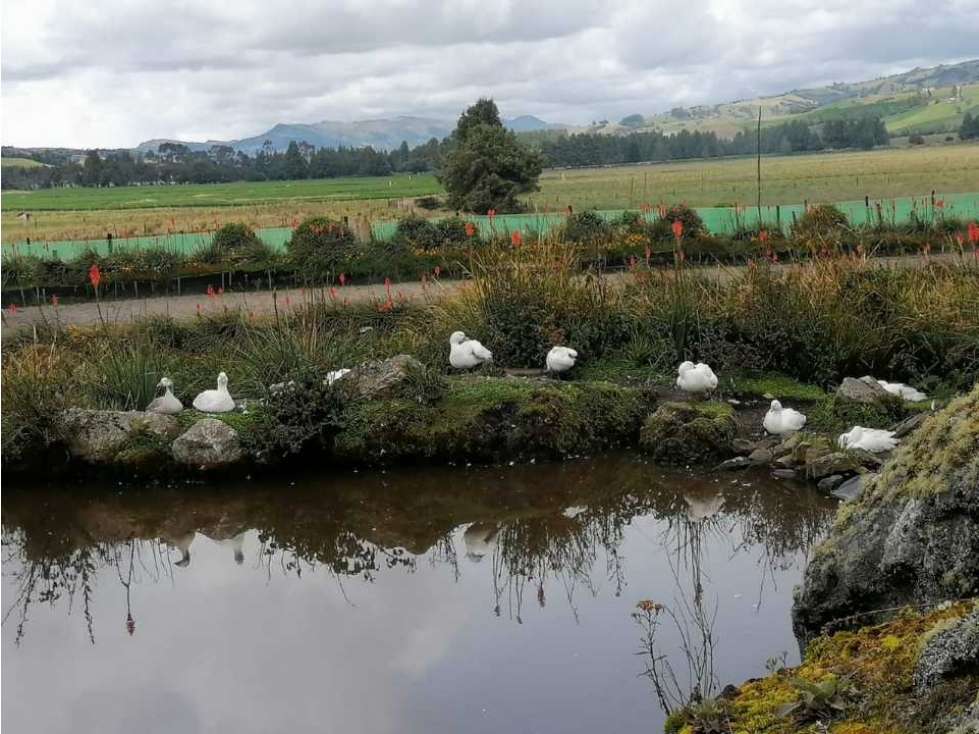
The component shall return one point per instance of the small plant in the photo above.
(586, 228)
(819, 701)
(709, 716)
(321, 248)
(415, 233)
(234, 238)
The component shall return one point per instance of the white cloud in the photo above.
(114, 72)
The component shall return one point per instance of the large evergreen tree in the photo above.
(487, 167)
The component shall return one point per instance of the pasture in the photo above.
(61, 214)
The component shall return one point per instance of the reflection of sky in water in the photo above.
(255, 647)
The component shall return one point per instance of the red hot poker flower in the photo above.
(13, 308)
(470, 229)
(94, 276)
(677, 228)
(515, 237)
(973, 233)
(343, 279)
(210, 291)
(763, 236)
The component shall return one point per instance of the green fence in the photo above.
(718, 220)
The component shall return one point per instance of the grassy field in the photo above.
(130, 211)
(19, 163)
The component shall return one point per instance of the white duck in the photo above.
(560, 359)
(168, 403)
(779, 420)
(905, 392)
(216, 401)
(480, 540)
(335, 375)
(874, 440)
(466, 353)
(695, 378)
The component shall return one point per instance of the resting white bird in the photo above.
(695, 378)
(216, 401)
(168, 403)
(466, 353)
(874, 440)
(560, 359)
(780, 420)
(335, 375)
(905, 392)
(480, 540)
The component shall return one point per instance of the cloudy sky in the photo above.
(112, 73)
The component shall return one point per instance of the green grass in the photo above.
(938, 113)
(782, 387)
(19, 163)
(238, 194)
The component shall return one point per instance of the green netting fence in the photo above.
(718, 220)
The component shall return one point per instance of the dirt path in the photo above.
(262, 302)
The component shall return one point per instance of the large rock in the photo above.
(208, 443)
(101, 436)
(839, 462)
(865, 390)
(911, 535)
(949, 650)
(385, 378)
(688, 433)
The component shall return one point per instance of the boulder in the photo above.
(688, 433)
(738, 462)
(384, 378)
(760, 457)
(951, 649)
(828, 484)
(911, 536)
(743, 446)
(784, 462)
(850, 488)
(101, 436)
(208, 443)
(908, 425)
(866, 391)
(840, 462)
(785, 474)
(788, 444)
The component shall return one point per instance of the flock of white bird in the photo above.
(465, 353)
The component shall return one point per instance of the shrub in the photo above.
(234, 238)
(451, 233)
(693, 225)
(586, 227)
(415, 233)
(431, 203)
(321, 247)
(820, 222)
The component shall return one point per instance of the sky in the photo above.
(112, 73)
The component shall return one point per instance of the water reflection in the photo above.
(581, 541)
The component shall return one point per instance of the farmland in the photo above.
(79, 213)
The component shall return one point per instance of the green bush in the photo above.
(586, 227)
(693, 225)
(321, 248)
(821, 221)
(452, 233)
(234, 238)
(415, 233)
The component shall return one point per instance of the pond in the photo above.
(485, 599)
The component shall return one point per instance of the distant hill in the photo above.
(383, 134)
(920, 99)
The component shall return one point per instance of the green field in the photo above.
(18, 163)
(79, 214)
(241, 193)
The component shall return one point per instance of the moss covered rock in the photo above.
(687, 433)
(109, 437)
(912, 535)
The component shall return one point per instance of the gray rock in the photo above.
(98, 436)
(909, 424)
(828, 484)
(208, 443)
(853, 486)
(760, 457)
(743, 446)
(909, 537)
(815, 452)
(789, 442)
(785, 474)
(384, 378)
(738, 462)
(785, 462)
(865, 390)
(840, 462)
(951, 649)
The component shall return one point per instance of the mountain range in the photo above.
(383, 134)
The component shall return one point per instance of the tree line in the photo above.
(177, 163)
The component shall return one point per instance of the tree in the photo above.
(295, 165)
(92, 168)
(487, 166)
(970, 127)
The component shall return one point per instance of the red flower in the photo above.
(973, 233)
(343, 279)
(470, 229)
(515, 238)
(677, 228)
(333, 292)
(94, 275)
(13, 308)
(491, 213)
(939, 203)
(210, 291)
(763, 236)
(54, 300)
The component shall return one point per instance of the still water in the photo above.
(490, 599)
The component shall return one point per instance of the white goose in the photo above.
(216, 401)
(695, 378)
(335, 375)
(560, 359)
(700, 509)
(779, 420)
(874, 440)
(466, 353)
(905, 392)
(168, 403)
